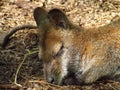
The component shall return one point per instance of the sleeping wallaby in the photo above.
(72, 54)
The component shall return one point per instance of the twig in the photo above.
(36, 81)
(8, 86)
(14, 30)
(16, 74)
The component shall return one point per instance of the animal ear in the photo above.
(59, 18)
(43, 23)
(42, 19)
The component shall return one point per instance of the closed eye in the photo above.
(59, 53)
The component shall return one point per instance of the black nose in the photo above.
(50, 80)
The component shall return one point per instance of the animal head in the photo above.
(56, 43)
(72, 54)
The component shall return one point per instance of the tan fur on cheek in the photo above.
(56, 71)
(55, 64)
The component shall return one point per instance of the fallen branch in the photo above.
(18, 69)
(8, 86)
(45, 83)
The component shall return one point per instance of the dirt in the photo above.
(22, 48)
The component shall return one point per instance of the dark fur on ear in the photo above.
(59, 18)
(39, 12)
(43, 23)
(41, 18)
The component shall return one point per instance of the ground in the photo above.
(19, 61)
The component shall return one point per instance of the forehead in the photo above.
(54, 37)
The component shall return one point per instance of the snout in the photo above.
(50, 80)
(54, 80)
(69, 80)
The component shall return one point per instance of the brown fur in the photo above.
(74, 52)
